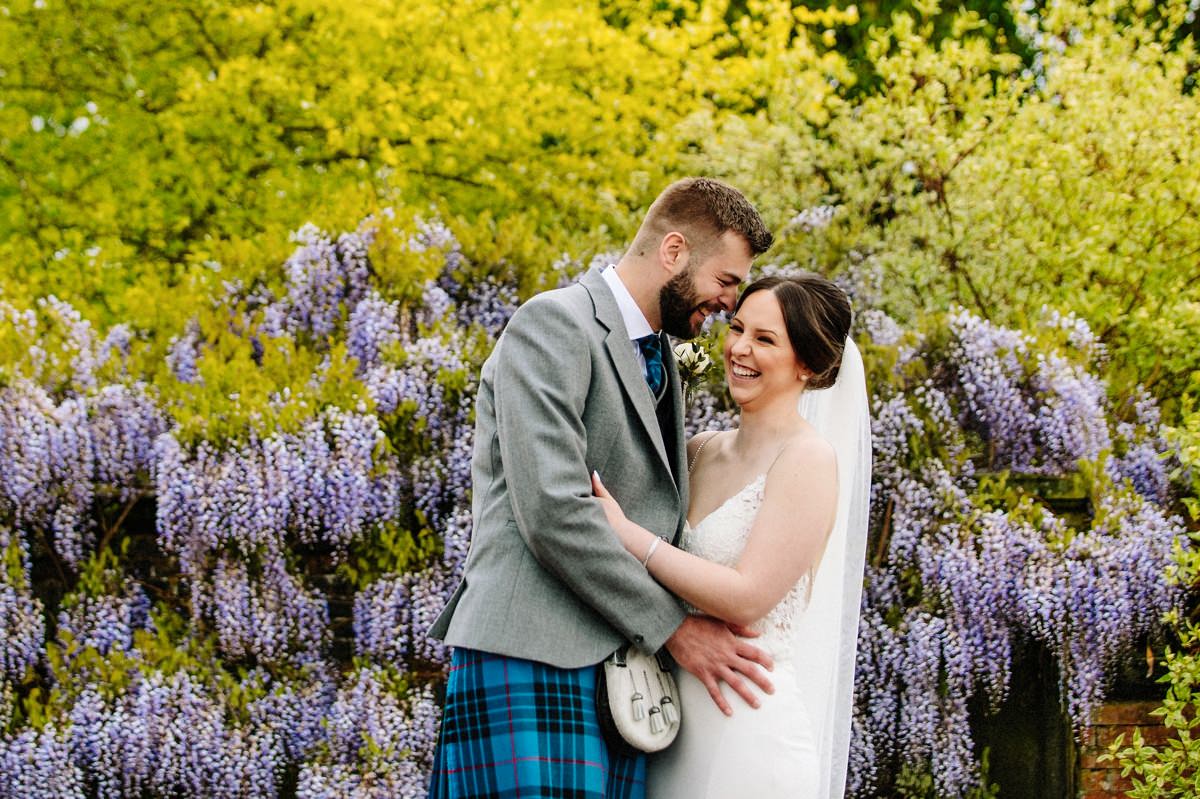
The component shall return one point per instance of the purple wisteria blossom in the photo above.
(1141, 452)
(489, 303)
(327, 483)
(270, 616)
(968, 562)
(1071, 420)
(36, 764)
(369, 716)
(373, 327)
(79, 342)
(816, 217)
(707, 412)
(124, 423)
(436, 304)
(108, 621)
(419, 380)
(22, 627)
(170, 735)
(295, 708)
(433, 234)
(218, 511)
(183, 354)
(989, 361)
(487, 300)
(875, 739)
(325, 278)
(117, 344)
(48, 450)
(966, 572)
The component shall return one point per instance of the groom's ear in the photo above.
(673, 253)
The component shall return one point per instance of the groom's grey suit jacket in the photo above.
(561, 395)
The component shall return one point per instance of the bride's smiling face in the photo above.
(759, 358)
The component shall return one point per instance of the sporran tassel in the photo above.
(656, 721)
(669, 711)
(639, 706)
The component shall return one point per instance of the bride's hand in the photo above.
(616, 517)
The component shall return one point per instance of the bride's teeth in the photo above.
(741, 371)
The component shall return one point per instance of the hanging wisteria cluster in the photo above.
(22, 627)
(230, 515)
(66, 442)
(968, 565)
(243, 521)
(401, 735)
(272, 644)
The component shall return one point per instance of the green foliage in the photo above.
(100, 575)
(1170, 770)
(13, 564)
(915, 783)
(170, 645)
(998, 23)
(969, 179)
(64, 341)
(150, 152)
(1186, 438)
(239, 393)
(392, 550)
(157, 138)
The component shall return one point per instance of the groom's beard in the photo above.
(677, 302)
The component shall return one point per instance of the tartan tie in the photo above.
(656, 373)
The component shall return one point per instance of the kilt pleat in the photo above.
(517, 728)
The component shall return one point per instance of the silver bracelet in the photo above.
(650, 552)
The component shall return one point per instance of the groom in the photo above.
(583, 380)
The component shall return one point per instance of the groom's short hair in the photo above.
(702, 209)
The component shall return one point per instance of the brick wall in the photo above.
(1103, 780)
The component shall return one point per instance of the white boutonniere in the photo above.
(693, 362)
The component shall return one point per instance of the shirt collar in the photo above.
(635, 320)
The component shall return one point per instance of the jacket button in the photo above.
(639, 639)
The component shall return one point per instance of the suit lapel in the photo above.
(620, 351)
(671, 416)
(671, 412)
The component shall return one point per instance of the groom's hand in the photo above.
(708, 649)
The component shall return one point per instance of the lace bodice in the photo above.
(721, 536)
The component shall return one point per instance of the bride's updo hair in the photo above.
(817, 314)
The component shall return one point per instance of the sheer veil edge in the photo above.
(826, 637)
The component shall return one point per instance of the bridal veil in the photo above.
(827, 633)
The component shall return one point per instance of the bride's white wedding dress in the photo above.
(765, 753)
(796, 745)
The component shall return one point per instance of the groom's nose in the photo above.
(727, 299)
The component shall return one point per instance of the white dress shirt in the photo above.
(635, 320)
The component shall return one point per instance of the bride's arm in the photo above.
(786, 541)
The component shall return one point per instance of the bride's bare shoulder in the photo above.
(807, 449)
(804, 474)
(701, 441)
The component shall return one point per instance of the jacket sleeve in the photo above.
(542, 377)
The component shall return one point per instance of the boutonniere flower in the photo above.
(693, 362)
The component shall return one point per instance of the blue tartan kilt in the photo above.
(517, 728)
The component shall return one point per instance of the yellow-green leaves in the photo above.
(163, 133)
(970, 179)
(241, 392)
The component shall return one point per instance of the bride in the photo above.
(775, 540)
